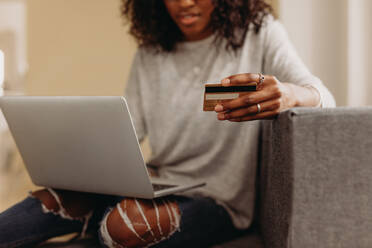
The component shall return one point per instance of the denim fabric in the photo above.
(25, 224)
(203, 223)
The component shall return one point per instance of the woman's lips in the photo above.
(188, 20)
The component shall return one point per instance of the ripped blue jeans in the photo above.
(202, 223)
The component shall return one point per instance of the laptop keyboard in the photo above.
(158, 187)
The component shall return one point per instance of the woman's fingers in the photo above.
(268, 92)
(245, 78)
(239, 79)
(252, 110)
(272, 97)
(247, 100)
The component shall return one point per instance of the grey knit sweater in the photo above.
(165, 97)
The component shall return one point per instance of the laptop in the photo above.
(83, 143)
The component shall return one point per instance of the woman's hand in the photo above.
(271, 98)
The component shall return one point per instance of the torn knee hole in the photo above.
(48, 201)
(52, 202)
(73, 204)
(134, 223)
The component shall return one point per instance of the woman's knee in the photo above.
(47, 200)
(69, 204)
(136, 223)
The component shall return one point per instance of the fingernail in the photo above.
(225, 82)
(218, 108)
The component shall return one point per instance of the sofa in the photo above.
(314, 186)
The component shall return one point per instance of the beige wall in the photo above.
(77, 48)
(333, 39)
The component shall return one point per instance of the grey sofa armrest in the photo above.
(316, 179)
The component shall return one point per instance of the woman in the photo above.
(184, 43)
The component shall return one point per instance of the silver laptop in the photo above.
(84, 144)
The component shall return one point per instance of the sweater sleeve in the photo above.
(282, 61)
(134, 98)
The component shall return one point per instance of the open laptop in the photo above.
(84, 144)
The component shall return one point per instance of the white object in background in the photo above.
(13, 45)
(6, 144)
(13, 42)
(2, 72)
(359, 52)
(3, 127)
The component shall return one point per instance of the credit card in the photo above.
(215, 93)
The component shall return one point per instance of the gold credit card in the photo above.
(216, 93)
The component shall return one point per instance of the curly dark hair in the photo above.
(152, 26)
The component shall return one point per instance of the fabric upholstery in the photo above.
(316, 171)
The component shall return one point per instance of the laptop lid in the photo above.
(65, 139)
